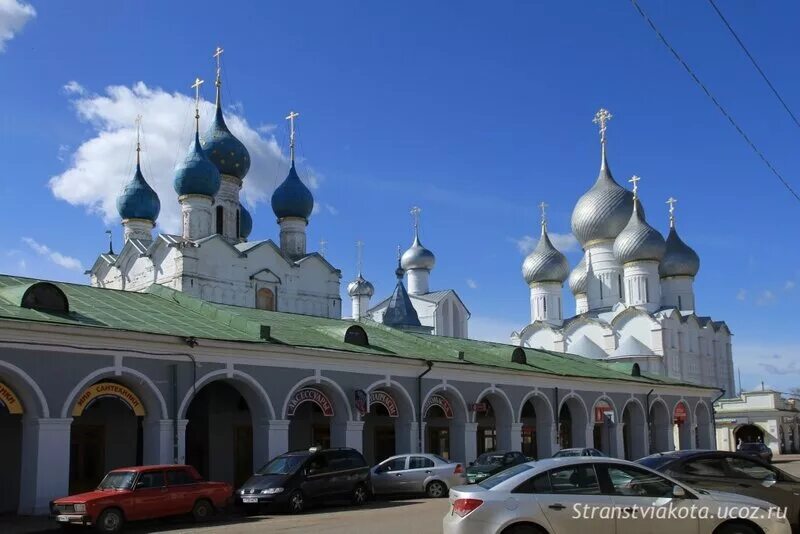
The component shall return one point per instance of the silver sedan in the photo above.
(602, 496)
(417, 473)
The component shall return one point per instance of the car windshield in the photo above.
(488, 458)
(568, 452)
(118, 480)
(502, 476)
(654, 462)
(283, 465)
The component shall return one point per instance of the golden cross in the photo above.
(218, 56)
(291, 117)
(671, 201)
(359, 252)
(601, 118)
(543, 207)
(635, 181)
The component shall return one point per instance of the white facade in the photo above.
(442, 311)
(763, 416)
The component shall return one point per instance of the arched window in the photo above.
(265, 299)
(220, 219)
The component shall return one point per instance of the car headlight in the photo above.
(80, 507)
(271, 491)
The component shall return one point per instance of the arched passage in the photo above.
(444, 414)
(536, 417)
(12, 411)
(634, 431)
(748, 434)
(604, 419)
(226, 417)
(703, 427)
(319, 414)
(682, 426)
(494, 416)
(660, 427)
(572, 423)
(388, 424)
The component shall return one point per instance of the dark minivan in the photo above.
(298, 478)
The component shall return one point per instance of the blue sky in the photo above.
(476, 112)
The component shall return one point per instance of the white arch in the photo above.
(32, 384)
(633, 400)
(689, 411)
(112, 371)
(617, 414)
(447, 388)
(400, 388)
(528, 396)
(226, 373)
(312, 379)
(705, 405)
(490, 390)
(573, 396)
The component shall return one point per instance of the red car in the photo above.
(144, 492)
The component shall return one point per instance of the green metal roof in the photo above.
(161, 310)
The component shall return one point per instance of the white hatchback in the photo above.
(587, 495)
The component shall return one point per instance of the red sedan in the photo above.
(145, 492)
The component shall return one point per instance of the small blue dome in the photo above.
(197, 175)
(223, 148)
(138, 200)
(292, 198)
(245, 222)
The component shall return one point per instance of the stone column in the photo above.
(45, 463)
(422, 444)
(618, 441)
(405, 437)
(354, 435)
(515, 437)
(181, 459)
(589, 437)
(470, 451)
(158, 439)
(261, 439)
(278, 437)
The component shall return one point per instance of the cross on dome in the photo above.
(672, 201)
(359, 253)
(601, 118)
(291, 117)
(218, 56)
(415, 211)
(196, 86)
(543, 206)
(635, 181)
(138, 135)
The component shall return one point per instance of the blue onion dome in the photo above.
(638, 241)
(223, 148)
(360, 287)
(417, 256)
(679, 259)
(245, 222)
(545, 263)
(138, 200)
(579, 278)
(603, 211)
(292, 198)
(196, 175)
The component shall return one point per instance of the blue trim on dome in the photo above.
(138, 200)
(223, 149)
(292, 198)
(196, 175)
(245, 222)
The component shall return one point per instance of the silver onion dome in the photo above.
(360, 287)
(679, 259)
(603, 211)
(417, 256)
(579, 278)
(545, 263)
(638, 241)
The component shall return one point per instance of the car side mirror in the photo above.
(678, 492)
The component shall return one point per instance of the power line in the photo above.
(714, 100)
(755, 64)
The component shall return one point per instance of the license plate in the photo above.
(62, 518)
(249, 500)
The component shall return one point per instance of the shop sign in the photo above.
(479, 407)
(108, 390)
(726, 420)
(385, 400)
(679, 416)
(10, 400)
(310, 395)
(603, 412)
(441, 402)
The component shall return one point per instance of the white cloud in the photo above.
(789, 285)
(59, 259)
(472, 284)
(101, 165)
(563, 242)
(14, 15)
(765, 297)
(741, 295)
(331, 209)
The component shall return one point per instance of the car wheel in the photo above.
(202, 510)
(297, 502)
(360, 495)
(736, 528)
(110, 521)
(436, 489)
